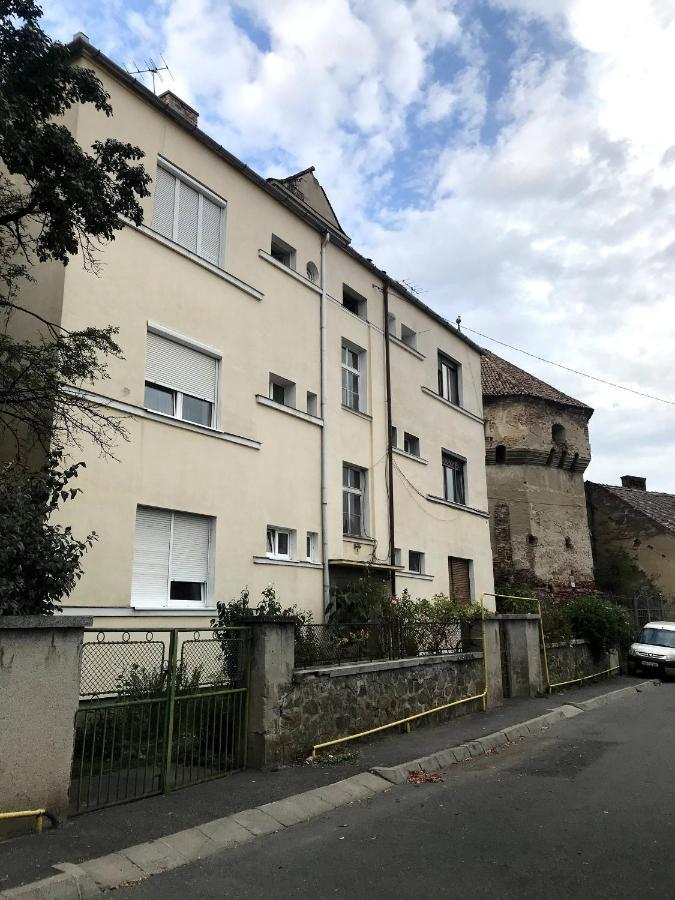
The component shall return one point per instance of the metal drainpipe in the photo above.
(324, 432)
(390, 454)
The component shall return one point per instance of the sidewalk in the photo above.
(31, 857)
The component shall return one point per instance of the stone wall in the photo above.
(568, 660)
(327, 703)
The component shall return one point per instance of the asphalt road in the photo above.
(585, 811)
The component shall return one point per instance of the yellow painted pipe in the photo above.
(427, 712)
(39, 815)
(583, 678)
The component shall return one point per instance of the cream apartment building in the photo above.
(285, 401)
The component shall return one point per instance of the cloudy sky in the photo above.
(514, 160)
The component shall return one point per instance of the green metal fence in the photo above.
(158, 710)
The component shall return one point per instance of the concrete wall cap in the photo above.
(268, 620)
(514, 617)
(57, 621)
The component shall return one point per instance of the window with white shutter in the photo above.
(188, 214)
(180, 381)
(171, 558)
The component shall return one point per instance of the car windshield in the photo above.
(659, 637)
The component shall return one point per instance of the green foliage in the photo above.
(617, 573)
(269, 606)
(137, 682)
(367, 599)
(604, 624)
(39, 561)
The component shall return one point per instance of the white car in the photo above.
(654, 650)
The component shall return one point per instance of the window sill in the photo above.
(348, 311)
(357, 412)
(295, 563)
(419, 459)
(188, 254)
(459, 409)
(453, 505)
(420, 575)
(290, 410)
(263, 254)
(116, 612)
(143, 413)
(353, 539)
(404, 346)
(178, 608)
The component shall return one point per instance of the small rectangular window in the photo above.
(311, 403)
(397, 556)
(394, 436)
(180, 381)
(352, 366)
(353, 500)
(409, 337)
(282, 390)
(453, 478)
(279, 542)
(312, 544)
(354, 302)
(282, 252)
(411, 444)
(185, 214)
(416, 562)
(391, 324)
(448, 379)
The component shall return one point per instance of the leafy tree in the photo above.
(57, 200)
(39, 561)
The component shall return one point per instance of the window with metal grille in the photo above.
(459, 573)
(171, 558)
(353, 500)
(187, 214)
(352, 366)
(180, 381)
(453, 478)
(448, 378)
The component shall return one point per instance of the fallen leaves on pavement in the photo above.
(420, 776)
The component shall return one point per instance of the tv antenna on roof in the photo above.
(153, 70)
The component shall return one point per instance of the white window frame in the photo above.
(284, 247)
(359, 371)
(397, 556)
(311, 545)
(420, 554)
(167, 334)
(445, 364)
(203, 191)
(447, 454)
(207, 586)
(362, 492)
(274, 531)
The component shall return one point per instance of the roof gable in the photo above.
(658, 507)
(305, 187)
(502, 379)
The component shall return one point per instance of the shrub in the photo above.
(269, 606)
(602, 623)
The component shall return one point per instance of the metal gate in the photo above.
(158, 711)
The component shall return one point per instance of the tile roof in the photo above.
(658, 507)
(502, 379)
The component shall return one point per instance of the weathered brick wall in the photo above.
(573, 659)
(328, 703)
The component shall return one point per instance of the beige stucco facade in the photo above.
(260, 465)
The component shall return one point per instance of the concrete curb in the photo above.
(90, 879)
(444, 758)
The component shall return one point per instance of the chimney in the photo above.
(180, 106)
(634, 481)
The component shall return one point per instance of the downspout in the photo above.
(390, 452)
(324, 431)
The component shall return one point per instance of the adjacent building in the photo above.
(537, 449)
(634, 523)
(294, 415)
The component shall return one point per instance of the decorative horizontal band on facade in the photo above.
(554, 458)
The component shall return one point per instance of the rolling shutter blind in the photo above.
(165, 198)
(211, 219)
(188, 217)
(173, 365)
(190, 548)
(150, 582)
(460, 580)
